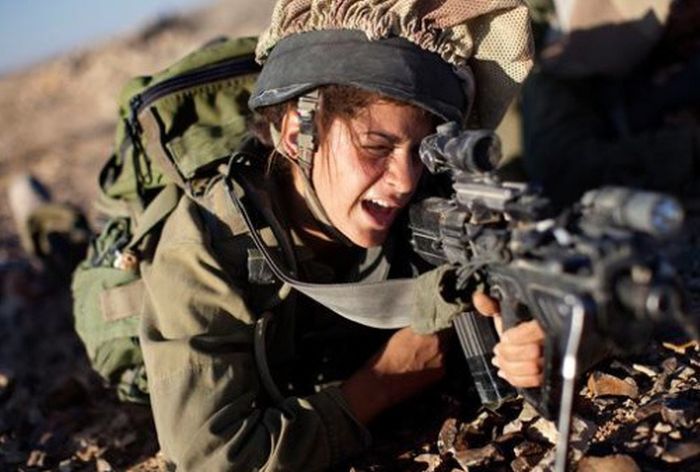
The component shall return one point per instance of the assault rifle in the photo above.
(593, 274)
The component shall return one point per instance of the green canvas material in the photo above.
(194, 119)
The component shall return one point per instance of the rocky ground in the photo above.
(57, 118)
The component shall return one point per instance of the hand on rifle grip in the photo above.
(519, 354)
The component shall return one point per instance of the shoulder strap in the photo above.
(387, 304)
(161, 206)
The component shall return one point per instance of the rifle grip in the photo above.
(477, 337)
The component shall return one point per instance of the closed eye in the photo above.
(377, 151)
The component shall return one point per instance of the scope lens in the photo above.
(666, 216)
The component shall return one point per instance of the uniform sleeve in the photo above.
(569, 148)
(209, 406)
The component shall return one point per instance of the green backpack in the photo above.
(175, 128)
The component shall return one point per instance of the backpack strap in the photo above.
(387, 304)
(161, 206)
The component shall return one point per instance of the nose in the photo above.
(403, 172)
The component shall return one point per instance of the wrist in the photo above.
(366, 395)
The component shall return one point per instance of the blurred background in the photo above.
(62, 65)
(35, 30)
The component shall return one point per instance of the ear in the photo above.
(289, 133)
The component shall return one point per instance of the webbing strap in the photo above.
(124, 301)
(161, 206)
(387, 304)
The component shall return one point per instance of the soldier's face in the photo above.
(366, 170)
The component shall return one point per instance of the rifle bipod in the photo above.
(568, 371)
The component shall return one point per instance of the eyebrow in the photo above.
(390, 137)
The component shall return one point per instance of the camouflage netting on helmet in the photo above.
(492, 37)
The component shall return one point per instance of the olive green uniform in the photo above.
(211, 409)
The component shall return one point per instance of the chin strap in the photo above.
(307, 106)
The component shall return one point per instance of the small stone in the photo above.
(641, 432)
(544, 429)
(663, 428)
(514, 426)
(675, 435)
(508, 440)
(687, 373)
(546, 464)
(103, 466)
(647, 411)
(681, 452)
(477, 424)
(582, 430)
(528, 413)
(478, 457)
(582, 433)
(681, 348)
(634, 446)
(660, 383)
(522, 464)
(616, 463)
(433, 461)
(654, 450)
(646, 370)
(680, 412)
(447, 435)
(36, 458)
(600, 384)
(670, 365)
(528, 448)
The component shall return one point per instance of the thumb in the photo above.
(488, 306)
(485, 304)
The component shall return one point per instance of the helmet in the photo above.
(457, 59)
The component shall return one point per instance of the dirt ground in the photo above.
(57, 120)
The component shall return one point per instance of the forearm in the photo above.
(406, 365)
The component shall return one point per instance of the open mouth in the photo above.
(381, 211)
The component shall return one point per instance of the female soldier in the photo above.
(348, 90)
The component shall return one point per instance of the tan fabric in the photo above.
(492, 37)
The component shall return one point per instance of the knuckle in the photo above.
(532, 351)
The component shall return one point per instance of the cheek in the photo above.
(345, 173)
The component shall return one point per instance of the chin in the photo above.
(368, 239)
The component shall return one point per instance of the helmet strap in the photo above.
(307, 106)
